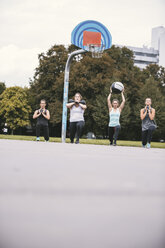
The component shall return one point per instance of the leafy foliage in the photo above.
(92, 78)
(14, 107)
(2, 87)
(151, 89)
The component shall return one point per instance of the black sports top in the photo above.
(41, 120)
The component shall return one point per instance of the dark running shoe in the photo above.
(77, 142)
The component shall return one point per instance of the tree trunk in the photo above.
(12, 132)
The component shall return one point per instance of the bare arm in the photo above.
(109, 101)
(142, 114)
(83, 106)
(36, 114)
(70, 105)
(151, 113)
(123, 102)
(47, 116)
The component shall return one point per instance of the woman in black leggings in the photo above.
(77, 108)
(114, 117)
(42, 115)
(147, 116)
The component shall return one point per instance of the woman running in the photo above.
(147, 116)
(114, 117)
(77, 108)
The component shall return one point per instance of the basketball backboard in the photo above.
(89, 33)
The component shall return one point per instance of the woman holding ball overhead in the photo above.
(114, 114)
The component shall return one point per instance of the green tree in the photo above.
(2, 87)
(92, 78)
(157, 73)
(48, 84)
(51, 66)
(14, 107)
(151, 89)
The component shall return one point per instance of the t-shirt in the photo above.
(76, 114)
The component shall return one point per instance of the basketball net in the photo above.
(96, 50)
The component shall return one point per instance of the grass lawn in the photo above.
(84, 141)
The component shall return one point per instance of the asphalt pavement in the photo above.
(55, 195)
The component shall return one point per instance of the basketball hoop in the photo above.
(96, 50)
(96, 41)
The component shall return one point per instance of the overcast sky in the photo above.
(29, 27)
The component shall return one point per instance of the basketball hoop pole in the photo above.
(65, 94)
(82, 38)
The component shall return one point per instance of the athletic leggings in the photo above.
(113, 133)
(76, 128)
(46, 131)
(147, 135)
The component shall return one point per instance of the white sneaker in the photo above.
(148, 145)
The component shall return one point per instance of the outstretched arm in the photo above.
(109, 100)
(123, 101)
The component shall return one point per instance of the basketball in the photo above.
(117, 87)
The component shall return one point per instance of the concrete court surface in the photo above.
(55, 195)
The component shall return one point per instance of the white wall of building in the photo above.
(162, 50)
(144, 56)
(155, 37)
(158, 43)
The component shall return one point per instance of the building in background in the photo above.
(158, 43)
(144, 56)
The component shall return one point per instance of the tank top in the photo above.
(114, 117)
(41, 120)
(76, 114)
(147, 122)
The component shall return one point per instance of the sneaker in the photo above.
(143, 146)
(148, 145)
(71, 142)
(111, 144)
(38, 139)
(114, 143)
(77, 142)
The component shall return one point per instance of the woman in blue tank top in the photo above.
(114, 117)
